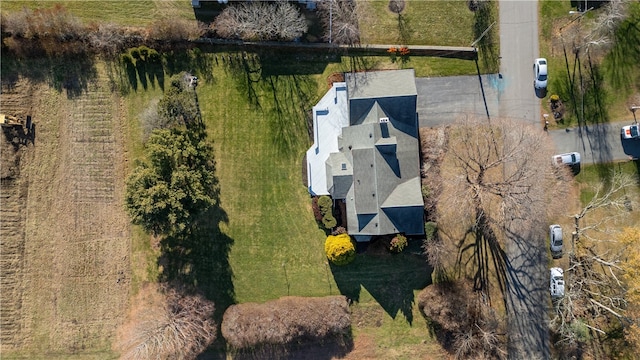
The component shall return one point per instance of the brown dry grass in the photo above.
(71, 273)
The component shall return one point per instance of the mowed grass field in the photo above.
(71, 266)
(447, 23)
(254, 107)
(128, 13)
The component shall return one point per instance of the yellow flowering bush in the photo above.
(340, 249)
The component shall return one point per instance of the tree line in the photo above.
(55, 31)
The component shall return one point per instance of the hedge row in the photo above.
(286, 320)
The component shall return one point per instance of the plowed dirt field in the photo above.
(65, 239)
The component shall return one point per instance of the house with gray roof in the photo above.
(371, 158)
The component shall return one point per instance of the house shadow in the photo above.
(391, 279)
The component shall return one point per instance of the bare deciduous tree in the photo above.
(340, 20)
(631, 266)
(258, 21)
(107, 38)
(606, 23)
(175, 30)
(495, 172)
(167, 323)
(499, 188)
(595, 293)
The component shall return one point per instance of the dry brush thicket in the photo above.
(256, 21)
(596, 295)
(463, 321)
(55, 31)
(285, 321)
(166, 323)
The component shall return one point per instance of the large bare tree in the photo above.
(259, 21)
(495, 172)
(499, 190)
(340, 21)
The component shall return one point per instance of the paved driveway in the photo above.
(443, 100)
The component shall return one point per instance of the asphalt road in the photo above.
(527, 297)
(518, 48)
(599, 143)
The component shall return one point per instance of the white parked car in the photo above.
(572, 158)
(540, 73)
(630, 131)
(555, 239)
(556, 284)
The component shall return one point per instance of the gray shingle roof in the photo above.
(375, 84)
(376, 169)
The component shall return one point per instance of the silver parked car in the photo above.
(556, 283)
(540, 73)
(555, 239)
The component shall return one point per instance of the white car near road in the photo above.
(556, 284)
(630, 131)
(555, 240)
(572, 158)
(540, 73)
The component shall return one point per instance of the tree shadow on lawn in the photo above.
(622, 60)
(199, 257)
(282, 98)
(70, 73)
(583, 84)
(390, 278)
(483, 18)
(151, 70)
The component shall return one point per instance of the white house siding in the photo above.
(330, 115)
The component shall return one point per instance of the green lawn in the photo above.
(131, 13)
(421, 22)
(591, 176)
(254, 109)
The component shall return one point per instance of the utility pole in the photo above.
(633, 109)
(330, 19)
